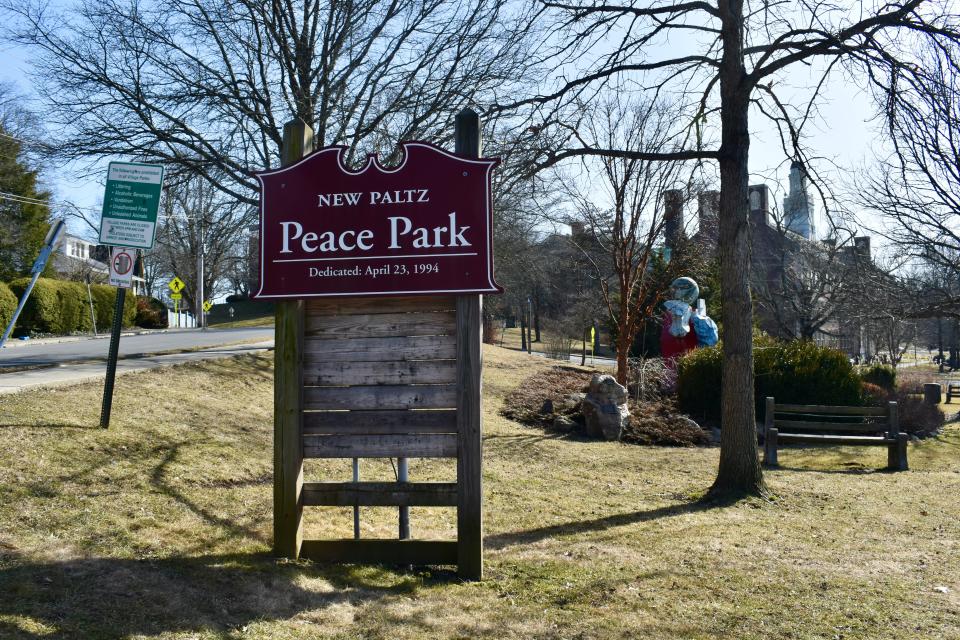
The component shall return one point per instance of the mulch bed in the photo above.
(651, 423)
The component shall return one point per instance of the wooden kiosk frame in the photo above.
(401, 379)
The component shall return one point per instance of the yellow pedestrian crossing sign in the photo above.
(207, 305)
(176, 285)
(176, 296)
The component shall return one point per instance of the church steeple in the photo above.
(797, 208)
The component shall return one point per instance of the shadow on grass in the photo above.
(503, 540)
(111, 598)
(158, 478)
(50, 425)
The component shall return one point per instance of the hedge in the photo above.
(61, 307)
(8, 304)
(798, 372)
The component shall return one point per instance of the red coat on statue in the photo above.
(672, 347)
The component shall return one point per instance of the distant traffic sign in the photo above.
(121, 266)
(176, 296)
(176, 285)
(207, 305)
(130, 204)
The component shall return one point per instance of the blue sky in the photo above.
(842, 138)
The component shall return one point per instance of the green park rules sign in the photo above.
(130, 204)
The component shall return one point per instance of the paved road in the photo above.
(43, 353)
(87, 371)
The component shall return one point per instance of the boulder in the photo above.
(605, 408)
(572, 401)
(564, 424)
(686, 421)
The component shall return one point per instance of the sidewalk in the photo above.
(91, 371)
(16, 342)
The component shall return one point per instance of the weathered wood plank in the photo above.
(869, 441)
(288, 391)
(371, 422)
(380, 373)
(802, 425)
(378, 305)
(380, 325)
(380, 494)
(830, 410)
(439, 396)
(377, 349)
(420, 445)
(469, 430)
(418, 552)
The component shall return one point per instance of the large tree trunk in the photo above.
(740, 471)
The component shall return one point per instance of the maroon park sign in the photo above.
(423, 227)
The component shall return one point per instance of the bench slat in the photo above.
(803, 425)
(857, 441)
(839, 411)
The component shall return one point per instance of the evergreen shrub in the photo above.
(41, 314)
(61, 307)
(882, 375)
(8, 304)
(798, 372)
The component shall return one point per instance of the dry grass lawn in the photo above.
(160, 528)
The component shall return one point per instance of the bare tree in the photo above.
(806, 286)
(197, 218)
(915, 190)
(732, 57)
(617, 203)
(205, 86)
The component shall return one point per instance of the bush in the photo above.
(798, 372)
(105, 299)
(874, 395)
(916, 416)
(61, 307)
(8, 304)
(41, 314)
(882, 375)
(151, 313)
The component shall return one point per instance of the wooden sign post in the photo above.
(366, 367)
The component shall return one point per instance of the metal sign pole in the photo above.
(93, 315)
(112, 359)
(403, 475)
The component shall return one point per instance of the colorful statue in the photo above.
(683, 329)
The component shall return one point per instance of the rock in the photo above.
(547, 407)
(715, 435)
(572, 401)
(941, 589)
(605, 408)
(564, 423)
(685, 421)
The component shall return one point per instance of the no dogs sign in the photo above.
(423, 227)
(122, 260)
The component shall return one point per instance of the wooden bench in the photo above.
(953, 389)
(825, 425)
